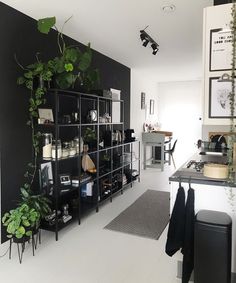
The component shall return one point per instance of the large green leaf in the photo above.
(28, 233)
(65, 80)
(72, 54)
(21, 230)
(44, 25)
(59, 65)
(20, 80)
(26, 223)
(85, 61)
(5, 217)
(24, 192)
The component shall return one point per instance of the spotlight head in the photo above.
(144, 38)
(142, 35)
(155, 48)
(145, 42)
(155, 52)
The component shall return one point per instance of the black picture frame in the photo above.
(64, 179)
(220, 54)
(219, 106)
(46, 177)
(143, 100)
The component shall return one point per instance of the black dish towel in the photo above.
(188, 245)
(176, 228)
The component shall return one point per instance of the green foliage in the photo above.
(44, 25)
(232, 137)
(106, 157)
(38, 202)
(89, 135)
(73, 64)
(21, 221)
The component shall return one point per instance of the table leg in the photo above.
(144, 156)
(162, 156)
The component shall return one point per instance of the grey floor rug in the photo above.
(146, 217)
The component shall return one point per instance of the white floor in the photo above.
(90, 254)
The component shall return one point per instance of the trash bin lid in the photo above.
(213, 217)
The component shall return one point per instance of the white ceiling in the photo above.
(112, 27)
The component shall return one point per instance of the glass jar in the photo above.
(72, 150)
(56, 144)
(65, 149)
(76, 144)
(47, 145)
(79, 144)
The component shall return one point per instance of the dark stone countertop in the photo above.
(190, 174)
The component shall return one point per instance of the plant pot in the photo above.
(92, 145)
(21, 240)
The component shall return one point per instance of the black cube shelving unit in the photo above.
(108, 180)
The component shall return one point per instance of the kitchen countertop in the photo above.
(190, 174)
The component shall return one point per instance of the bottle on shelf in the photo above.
(47, 145)
(56, 144)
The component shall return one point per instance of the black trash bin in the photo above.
(212, 247)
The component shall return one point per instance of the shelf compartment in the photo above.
(46, 226)
(52, 125)
(61, 159)
(87, 207)
(76, 94)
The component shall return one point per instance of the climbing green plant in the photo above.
(232, 136)
(72, 64)
(231, 139)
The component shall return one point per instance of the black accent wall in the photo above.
(220, 2)
(19, 36)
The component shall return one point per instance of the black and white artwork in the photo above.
(151, 106)
(46, 177)
(219, 103)
(142, 100)
(220, 49)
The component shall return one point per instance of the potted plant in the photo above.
(106, 159)
(90, 138)
(21, 222)
(38, 202)
(70, 67)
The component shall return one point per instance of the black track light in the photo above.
(147, 39)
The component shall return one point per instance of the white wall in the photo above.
(214, 17)
(179, 110)
(141, 83)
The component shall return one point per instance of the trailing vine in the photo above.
(34, 78)
(232, 92)
(232, 136)
(64, 70)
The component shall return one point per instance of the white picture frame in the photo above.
(220, 50)
(45, 114)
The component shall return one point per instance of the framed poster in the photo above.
(142, 100)
(219, 103)
(220, 50)
(151, 106)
